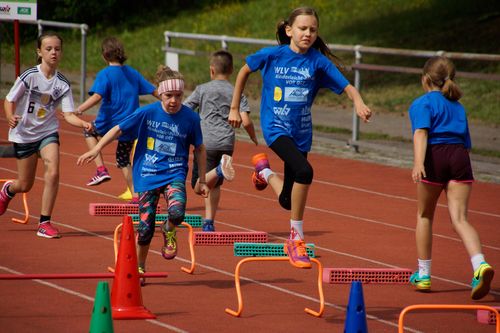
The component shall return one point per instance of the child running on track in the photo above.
(213, 101)
(292, 73)
(164, 132)
(118, 88)
(31, 111)
(441, 143)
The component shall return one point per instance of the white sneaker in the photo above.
(227, 167)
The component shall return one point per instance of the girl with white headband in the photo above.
(164, 131)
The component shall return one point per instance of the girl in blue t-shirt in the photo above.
(441, 143)
(117, 87)
(292, 74)
(164, 131)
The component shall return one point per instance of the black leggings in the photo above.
(297, 168)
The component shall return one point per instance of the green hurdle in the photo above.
(196, 221)
(265, 250)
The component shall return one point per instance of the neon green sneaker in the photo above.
(142, 279)
(481, 281)
(421, 283)
(169, 249)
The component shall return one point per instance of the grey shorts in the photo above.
(25, 150)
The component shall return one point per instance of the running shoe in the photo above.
(421, 283)
(127, 195)
(260, 162)
(169, 249)
(142, 279)
(227, 167)
(481, 281)
(208, 226)
(297, 254)
(100, 176)
(4, 197)
(48, 231)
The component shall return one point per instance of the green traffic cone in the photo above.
(101, 321)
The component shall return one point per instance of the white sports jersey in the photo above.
(36, 99)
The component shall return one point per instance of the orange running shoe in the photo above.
(297, 253)
(260, 162)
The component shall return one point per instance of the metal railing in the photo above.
(172, 60)
(83, 58)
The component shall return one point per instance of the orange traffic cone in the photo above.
(126, 297)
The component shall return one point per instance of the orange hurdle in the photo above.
(190, 241)
(447, 307)
(238, 288)
(25, 203)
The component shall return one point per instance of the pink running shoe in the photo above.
(297, 253)
(4, 198)
(260, 162)
(48, 231)
(100, 176)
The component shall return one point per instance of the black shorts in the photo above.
(213, 160)
(447, 162)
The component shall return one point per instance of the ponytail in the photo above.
(440, 72)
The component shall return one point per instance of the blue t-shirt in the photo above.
(445, 120)
(290, 82)
(162, 152)
(119, 87)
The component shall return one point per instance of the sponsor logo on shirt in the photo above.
(150, 159)
(294, 94)
(278, 94)
(281, 110)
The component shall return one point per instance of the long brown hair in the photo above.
(440, 72)
(165, 73)
(319, 44)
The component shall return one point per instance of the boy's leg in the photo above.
(123, 155)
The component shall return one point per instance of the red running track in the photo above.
(358, 214)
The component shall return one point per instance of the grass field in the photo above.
(458, 26)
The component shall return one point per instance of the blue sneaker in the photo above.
(208, 226)
(421, 283)
(481, 281)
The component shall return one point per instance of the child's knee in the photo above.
(305, 174)
(176, 216)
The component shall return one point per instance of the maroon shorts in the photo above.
(447, 162)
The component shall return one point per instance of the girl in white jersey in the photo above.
(30, 108)
(292, 73)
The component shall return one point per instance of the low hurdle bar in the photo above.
(487, 317)
(238, 287)
(446, 307)
(25, 204)
(115, 209)
(266, 250)
(71, 276)
(367, 275)
(190, 242)
(229, 238)
(195, 220)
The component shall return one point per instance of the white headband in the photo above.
(171, 85)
